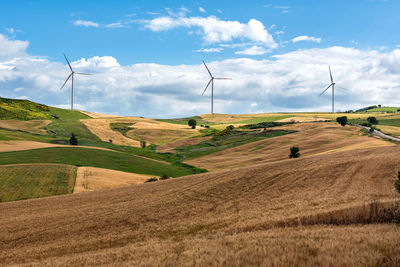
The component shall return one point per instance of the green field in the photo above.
(19, 182)
(384, 109)
(219, 143)
(264, 119)
(96, 158)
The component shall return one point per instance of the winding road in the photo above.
(380, 134)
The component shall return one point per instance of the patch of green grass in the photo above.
(66, 122)
(19, 182)
(219, 143)
(384, 109)
(16, 109)
(6, 134)
(95, 158)
(121, 127)
(264, 119)
(389, 122)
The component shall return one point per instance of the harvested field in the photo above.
(392, 130)
(17, 145)
(91, 179)
(101, 128)
(226, 217)
(98, 115)
(312, 138)
(302, 119)
(32, 126)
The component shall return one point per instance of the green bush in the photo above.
(164, 177)
(342, 120)
(294, 152)
(142, 144)
(372, 120)
(152, 179)
(372, 129)
(73, 140)
(192, 123)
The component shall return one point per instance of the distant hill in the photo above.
(23, 110)
(376, 108)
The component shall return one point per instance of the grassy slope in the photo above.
(95, 158)
(34, 181)
(231, 217)
(22, 110)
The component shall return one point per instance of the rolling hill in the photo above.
(335, 205)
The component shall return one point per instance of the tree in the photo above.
(142, 144)
(294, 152)
(73, 140)
(379, 106)
(342, 120)
(372, 120)
(192, 123)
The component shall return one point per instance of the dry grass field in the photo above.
(328, 209)
(32, 126)
(91, 179)
(311, 138)
(392, 130)
(18, 145)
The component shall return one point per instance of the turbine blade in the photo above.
(68, 62)
(223, 78)
(209, 72)
(342, 88)
(326, 89)
(83, 73)
(66, 81)
(206, 87)
(330, 73)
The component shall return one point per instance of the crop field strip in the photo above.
(25, 181)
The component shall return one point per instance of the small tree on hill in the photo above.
(342, 120)
(142, 144)
(192, 123)
(372, 120)
(294, 152)
(73, 140)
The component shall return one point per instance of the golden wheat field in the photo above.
(332, 208)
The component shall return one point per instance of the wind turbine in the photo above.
(212, 86)
(72, 81)
(333, 90)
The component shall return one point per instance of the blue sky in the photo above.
(151, 52)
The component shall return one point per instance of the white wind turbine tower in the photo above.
(333, 90)
(72, 81)
(212, 86)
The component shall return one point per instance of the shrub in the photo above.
(372, 129)
(397, 183)
(164, 177)
(366, 124)
(192, 123)
(110, 141)
(207, 126)
(294, 152)
(142, 144)
(372, 120)
(152, 179)
(73, 140)
(342, 120)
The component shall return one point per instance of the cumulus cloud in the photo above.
(303, 38)
(286, 82)
(252, 51)
(202, 10)
(12, 48)
(215, 30)
(86, 23)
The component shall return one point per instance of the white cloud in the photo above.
(11, 48)
(86, 23)
(115, 25)
(215, 30)
(279, 32)
(303, 38)
(253, 51)
(210, 50)
(286, 82)
(202, 10)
